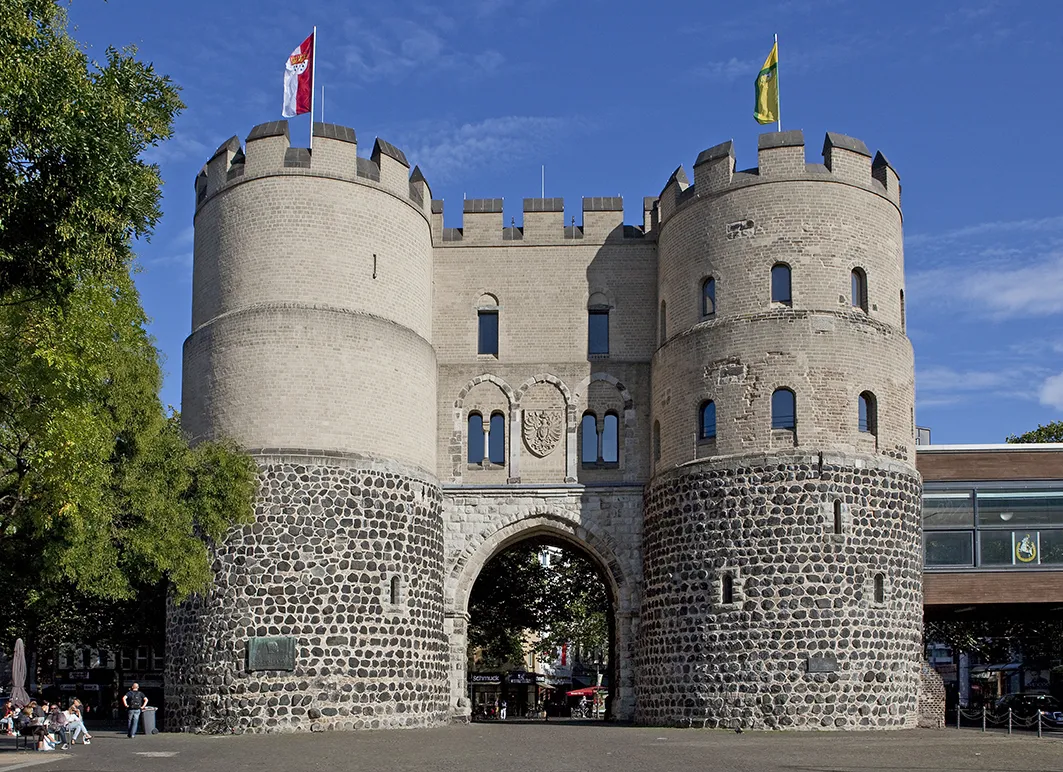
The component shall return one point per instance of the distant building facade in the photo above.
(715, 404)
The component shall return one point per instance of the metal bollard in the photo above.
(957, 716)
(1038, 723)
(1009, 720)
(983, 718)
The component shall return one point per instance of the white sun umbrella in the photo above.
(19, 696)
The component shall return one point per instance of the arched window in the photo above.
(837, 516)
(707, 421)
(727, 589)
(859, 283)
(780, 284)
(476, 438)
(867, 413)
(611, 439)
(662, 324)
(497, 450)
(880, 588)
(589, 441)
(783, 410)
(656, 440)
(708, 298)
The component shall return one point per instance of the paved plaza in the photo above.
(557, 747)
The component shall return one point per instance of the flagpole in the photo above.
(313, 86)
(777, 92)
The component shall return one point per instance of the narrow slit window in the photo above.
(783, 410)
(780, 284)
(395, 585)
(663, 323)
(488, 339)
(707, 423)
(902, 311)
(837, 517)
(880, 588)
(727, 589)
(476, 438)
(589, 440)
(497, 449)
(708, 297)
(656, 440)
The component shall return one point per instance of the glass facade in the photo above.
(992, 527)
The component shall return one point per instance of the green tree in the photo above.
(105, 509)
(1050, 432)
(74, 190)
(519, 600)
(101, 498)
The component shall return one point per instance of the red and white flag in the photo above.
(299, 79)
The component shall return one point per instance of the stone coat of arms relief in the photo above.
(542, 430)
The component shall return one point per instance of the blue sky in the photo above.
(962, 97)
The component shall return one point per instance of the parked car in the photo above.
(1026, 705)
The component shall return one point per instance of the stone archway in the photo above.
(558, 526)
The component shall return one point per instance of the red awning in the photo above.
(586, 692)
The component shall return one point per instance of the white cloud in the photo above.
(393, 48)
(1020, 227)
(1052, 392)
(729, 70)
(448, 152)
(994, 290)
(941, 385)
(179, 147)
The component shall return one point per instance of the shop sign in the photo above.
(522, 678)
(485, 679)
(91, 687)
(68, 687)
(79, 675)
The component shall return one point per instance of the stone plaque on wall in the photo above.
(274, 653)
(822, 663)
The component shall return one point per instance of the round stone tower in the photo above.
(311, 347)
(782, 539)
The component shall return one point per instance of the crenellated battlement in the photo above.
(602, 219)
(267, 151)
(781, 158)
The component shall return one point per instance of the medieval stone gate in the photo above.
(603, 524)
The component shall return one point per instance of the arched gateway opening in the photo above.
(544, 534)
(540, 634)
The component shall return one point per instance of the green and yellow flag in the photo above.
(766, 108)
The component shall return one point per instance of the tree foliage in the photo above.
(104, 507)
(1034, 636)
(520, 602)
(100, 495)
(74, 190)
(1050, 432)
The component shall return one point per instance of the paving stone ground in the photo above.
(558, 747)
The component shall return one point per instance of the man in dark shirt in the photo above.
(134, 700)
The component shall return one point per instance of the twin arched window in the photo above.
(603, 447)
(494, 439)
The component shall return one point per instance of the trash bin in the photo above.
(147, 720)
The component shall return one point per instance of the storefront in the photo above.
(485, 695)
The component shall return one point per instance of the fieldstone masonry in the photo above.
(758, 577)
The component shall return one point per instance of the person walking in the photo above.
(134, 701)
(502, 710)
